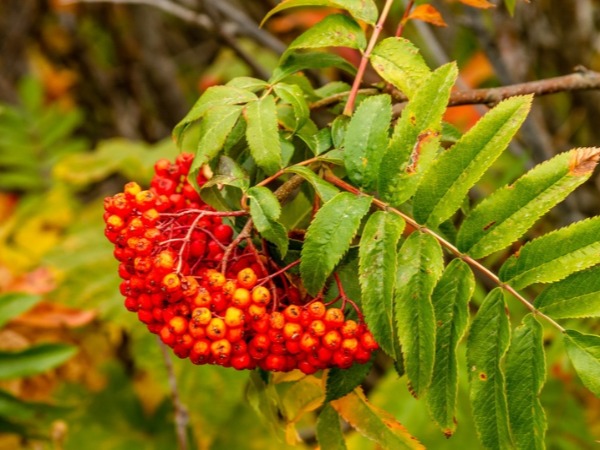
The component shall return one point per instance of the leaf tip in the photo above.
(584, 160)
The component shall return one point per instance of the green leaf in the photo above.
(265, 210)
(555, 255)
(262, 134)
(341, 382)
(329, 430)
(377, 275)
(329, 236)
(450, 300)
(416, 137)
(13, 304)
(229, 173)
(420, 264)
(366, 139)
(449, 179)
(295, 62)
(525, 376)
(584, 353)
(213, 97)
(364, 10)
(509, 212)
(21, 410)
(399, 62)
(34, 360)
(335, 30)
(488, 340)
(374, 423)
(323, 188)
(574, 297)
(510, 6)
(338, 130)
(214, 129)
(292, 94)
(248, 84)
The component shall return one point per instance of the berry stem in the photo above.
(329, 176)
(246, 231)
(362, 67)
(279, 272)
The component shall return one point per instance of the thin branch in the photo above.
(181, 414)
(404, 19)
(449, 246)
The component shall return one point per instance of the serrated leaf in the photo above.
(416, 137)
(399, 62)
(329, 236)
(509, 212)
(525, 376)
(338, 130)
(574, 297)
(449, 179)
(366, 139)
(555, 255)
(214, 129)
(341, 382)
(488, 340)
(262, 134)
(420, 264)
(248, 84)
(584, 353)
(323, 188)
(34, 360)
(228, 172)
(302, 396)
(292, 94)
(14, 303)
(295, 62)
(335, 30)
(450, 300)
(265, 210)
(213, 97)
(364, 10)
(329, 430)
(374, 423)
(377, 275)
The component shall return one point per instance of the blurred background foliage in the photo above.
(88, 96)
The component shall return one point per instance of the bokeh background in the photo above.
(89, 93)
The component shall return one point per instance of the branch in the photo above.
(582, 79)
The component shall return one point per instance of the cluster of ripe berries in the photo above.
(170, 246)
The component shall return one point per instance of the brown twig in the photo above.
(181, 414)
(404, 19)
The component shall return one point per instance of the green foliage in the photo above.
(329, 429)
(584, 352)
(265, 210)
(341, 382)
(14, 303)
(364, 10)
(33, 360)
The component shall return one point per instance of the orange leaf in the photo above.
(483, 4)
(428, 13)
(52, 315)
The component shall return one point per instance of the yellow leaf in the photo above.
(428, 13)
(483, 4)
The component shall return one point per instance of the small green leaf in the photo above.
(509, 212)
(366, 139)
(229, 173)
(329, 430)
(415, 141)
(488, 340)
(292, 94)
(329, 236)
(265, 210)
(420, 264)
(555, 255)
(341, 382)
(295, 62)
(13, 304)
(450, 300)
(323, 188)
(339, 126)
(34, 360)
(248, 84)
(335, 30)
(399, 62)
(374, 423)
(364, 10)
(214, 129)
(449, 179)
(584, 353)
(213, 97)
(377, 275)
(510, 6)
(262, 134)
(574, 297)
(525, 376)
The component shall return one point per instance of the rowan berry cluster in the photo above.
(171, 247)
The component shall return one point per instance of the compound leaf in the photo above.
(509, 212)
(329, 236)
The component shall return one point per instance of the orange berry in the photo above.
(317, 328)
(334, 317)
(332, 340)
(171, 282)
(308, 343)
(189, 286)
(229, 288)
(256, 312)
(349, 346)
(201, 316)
(196, 330)
(349, 329)
(277, 320)
(247, 278)
(221, 350)
(202, 298)
(235, 334)
(215, 279)
(292, 313)
(241, 298)
(367, 341)
(234, 317)
(216, 328)
(178, 325)
(292, 331)
(261, 295)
